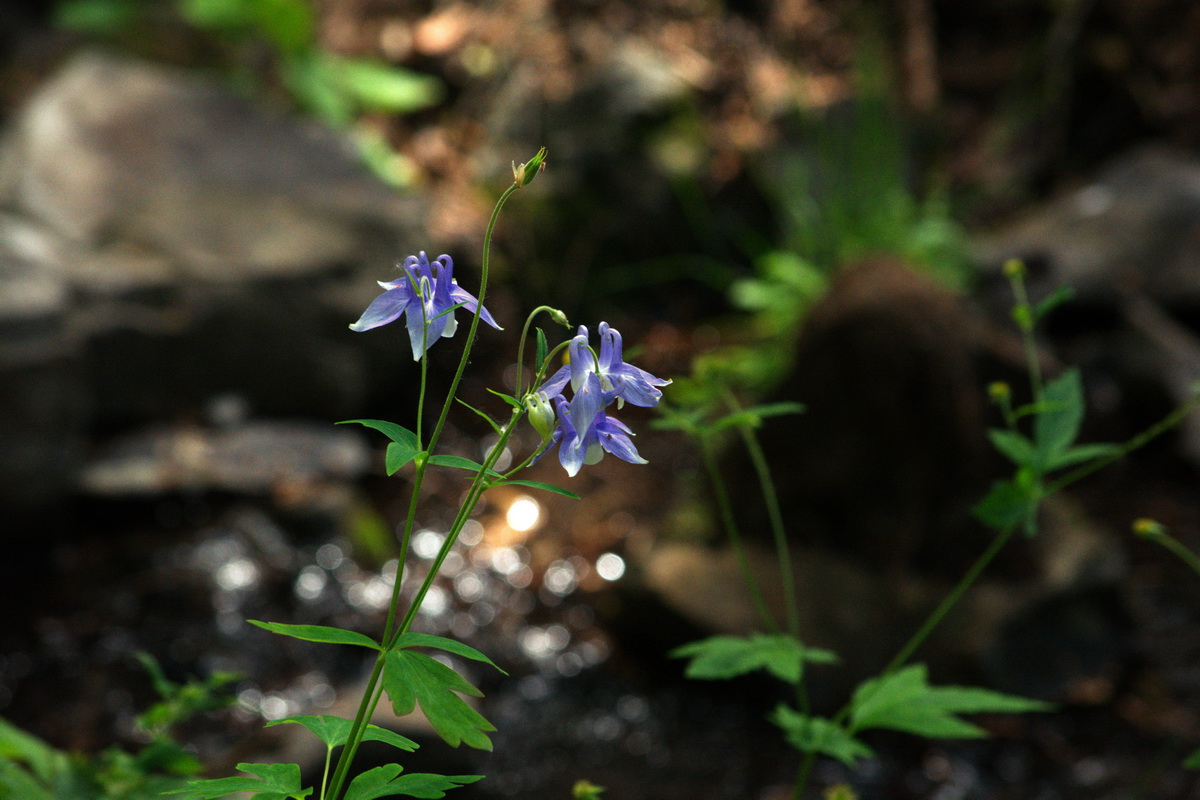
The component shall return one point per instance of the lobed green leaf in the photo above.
(386, 781)
(1057, 426)
(1012, 445)
(335, 731)
(448, 645)
(410, 678)
(904, 701)
(819, 735)
(270, 781)
(724, 657)
(318, 633)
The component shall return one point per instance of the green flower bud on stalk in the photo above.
(523, 174)
(1148, 528)
(541, 414)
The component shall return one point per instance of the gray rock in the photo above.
(248, 458)
(1136, 228)
(165, 241)
(118, 152)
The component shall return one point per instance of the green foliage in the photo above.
(404, 447)
(1193, 761)
(180, 702)
(270, 782)
(335, 731)
(1057, 417)
(30, 769)
(543, 351)
(723, 657)
(546, 487)
(410, 678)
(386, 781)
(97, 17)
(442, 643)
(818, 735)
(904, 701)
(333, 88)
(586, 790)
(317, 633)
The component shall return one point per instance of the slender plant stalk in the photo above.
(783, 552)
(1162, 426)
(1179, 549)
(735, 535)
(1025, 322)
(370, 698)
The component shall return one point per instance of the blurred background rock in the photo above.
(196, 197)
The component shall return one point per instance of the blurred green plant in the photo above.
(335, 89)
(1039, 437)
(1156, 532)
(30, 769)
(844, 197)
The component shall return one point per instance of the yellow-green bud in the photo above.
(541, 413)
(586, 790)
(999, 391)
(523, 174)
(559, 317)
(840, 791)
(1148, 528)
(1014, 268)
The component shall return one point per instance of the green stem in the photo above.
(369, 695)
(1154, 431)
(949, 601)
(521, 349)
(775, 515)
(735, 536)
(483, 282)
(1025, 323)
(325, 774)
(478, 486)
(1179, 549)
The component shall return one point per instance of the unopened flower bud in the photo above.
(559, 317)
(523, 174)
(1014, 268)
(541, 413)
(999, 391)
(1148, 528)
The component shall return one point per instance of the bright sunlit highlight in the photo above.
(523, 514)
(610, 566)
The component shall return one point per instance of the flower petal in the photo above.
(586, 405)
(614, 438)
(470, 303)
(385, 308)
(557, 382)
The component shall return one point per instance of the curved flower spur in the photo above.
(427, 295)
(585, 432)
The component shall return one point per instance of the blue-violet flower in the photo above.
(426, 295)
(578, 446)
(617, 380)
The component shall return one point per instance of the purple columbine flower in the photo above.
(431, 286)
(617, 380)
(603, 434)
